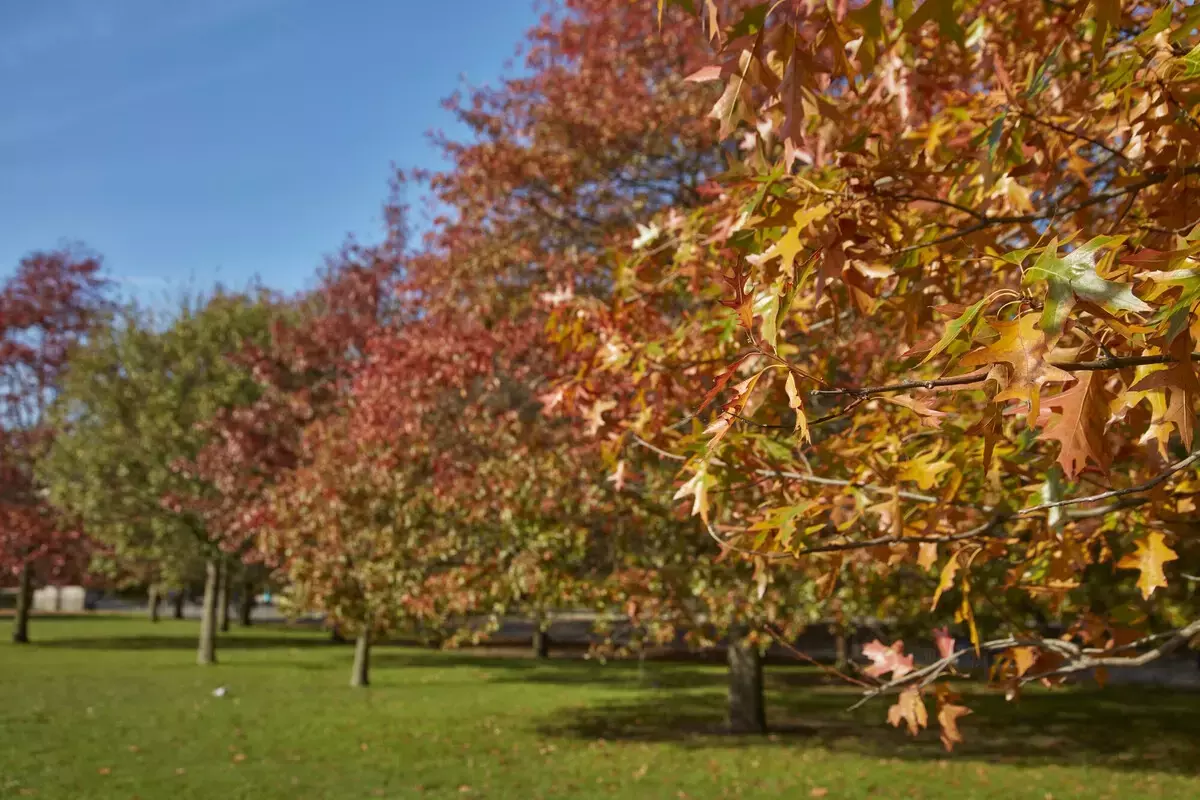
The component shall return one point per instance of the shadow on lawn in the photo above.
(1119, 728)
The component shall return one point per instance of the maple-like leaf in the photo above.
(1182, 386)
(1151, 553)
(595, 415)
(1074, 276)
(697, 487)
(947, 717)
(885, 659)
(930, 416)
(944, 642)
(1079, 427)
(955, 327)
(796, 403)
(925, 470)
(910, 709)
(1020, 352)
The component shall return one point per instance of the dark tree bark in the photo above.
(24, 606)
(841, 649)
(154, 600)
(335, 635)
(246, 604)
(360, 674)
(223, 597)
(541, 637)
(207, 653)
(180, 598)
(747, 709)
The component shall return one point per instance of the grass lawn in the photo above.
(113, 707)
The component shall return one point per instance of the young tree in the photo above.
(47, 307)
(133, 408)
(952, 280)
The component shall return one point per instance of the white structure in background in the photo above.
(59, 598)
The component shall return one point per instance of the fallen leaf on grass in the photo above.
(818, 791)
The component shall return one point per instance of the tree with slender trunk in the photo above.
(48, 305)
(24, 604)
(360, 674)
(207, 652)
(541, 636)
(153, 600)
(177, 602)
(133, 408)
(223, 596)
(747, 708)
(246, 604)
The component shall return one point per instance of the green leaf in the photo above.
(1074, 276)
(1191, 63)
(954, 329)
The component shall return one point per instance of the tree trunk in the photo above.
(360, 676)
(335, 635)
(246, 604)
(841, 650)
(541, 637)
(24, 604)
(154, 599)
(746, 707)
(207, 653)
(223, 597)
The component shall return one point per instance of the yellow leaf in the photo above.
(797, 405)
(1021, 353)
(924, 470)
(946, 581)
(1152, 552)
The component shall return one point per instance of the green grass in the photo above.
(115, 708)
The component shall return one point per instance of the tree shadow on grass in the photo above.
(665, 671)
(181, 641)
(1119, 727)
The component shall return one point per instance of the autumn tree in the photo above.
(950, 278)
(134, 404)
(47, 307)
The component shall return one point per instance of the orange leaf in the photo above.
(1083, 415)
(909, 708)
(1152, 552)
(1021, 351)
(947, 717)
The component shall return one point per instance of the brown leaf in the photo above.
(1079, 428)
(947, 717)
(1021, 352)
(909, 708)
(1183, 388)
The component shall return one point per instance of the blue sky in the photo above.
(190, 142)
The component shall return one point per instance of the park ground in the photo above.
(114, 707)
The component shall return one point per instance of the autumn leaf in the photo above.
(955, 328)
(944, 642)
(924, 470)
(1151, 553)
(1074, 276)
(930, 416)
(697, 487)
(948, 716)
(885, 659)
(1079, 428)
(796, 403)
(1180, 382)
(1020, 352)
(909, 709)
